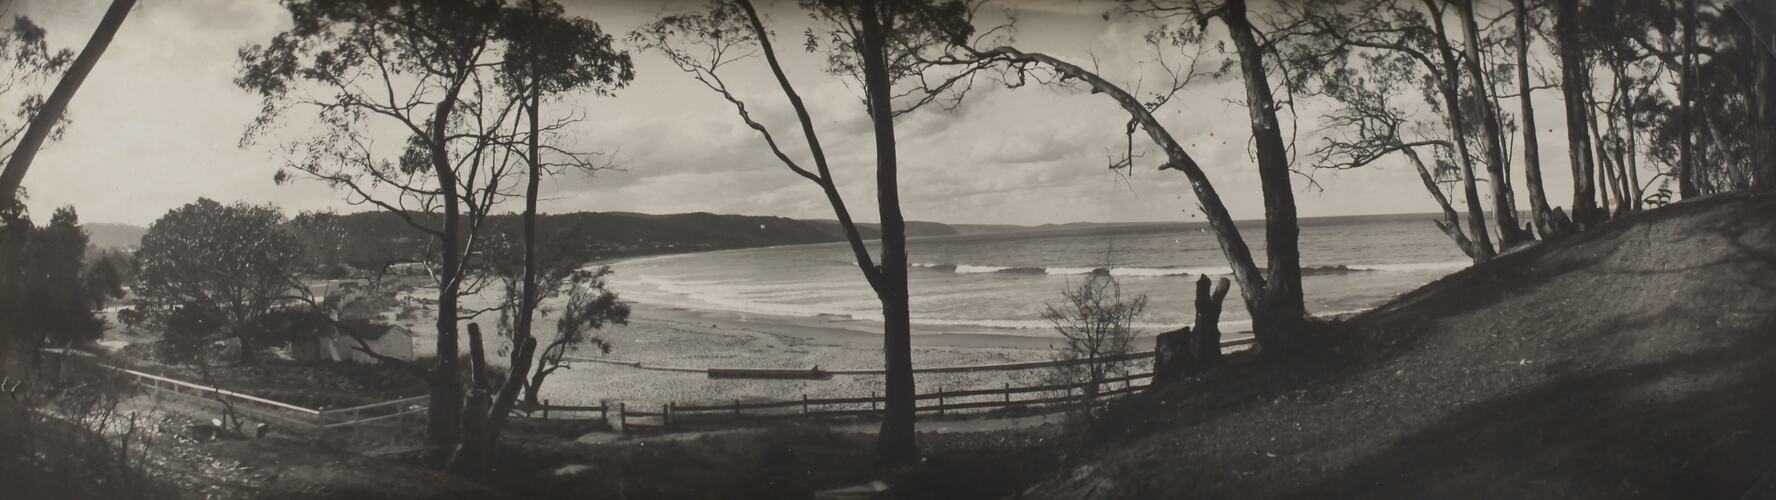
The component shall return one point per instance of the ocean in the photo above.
(997, 283)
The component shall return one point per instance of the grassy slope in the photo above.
(1634, 361)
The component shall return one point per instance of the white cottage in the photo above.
(388, 340)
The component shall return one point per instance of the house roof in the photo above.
(374, 331)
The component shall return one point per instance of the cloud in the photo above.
(157, 122)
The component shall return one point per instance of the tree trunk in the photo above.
(57, 104)
(1573, 83)
(1635, 202)
(1504, 200)
(1449, 84)
(444, 413)
(1606, 173)
(1227, 235)
(1280, 321)
(1545, 223)
(1763, 176)
(473, 442)
(1205, 345)
(895, 445)
(1686, 162)
(1451, 223)
(532, 390)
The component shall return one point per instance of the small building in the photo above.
(393, 341)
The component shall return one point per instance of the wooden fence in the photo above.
(726, 372)
(630, 418)
(625, 417)
(258, 407)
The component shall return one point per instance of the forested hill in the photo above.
(103, 235)
(372, 238)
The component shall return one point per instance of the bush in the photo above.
(1095, 322)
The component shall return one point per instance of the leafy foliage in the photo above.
(231, 262)
(26, 64)
(48, 293)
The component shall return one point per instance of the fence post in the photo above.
(622, 417)
(604, 410)
(872, 401)
(736, 407)
(1008, 392)
(804, 404)
(940, 401)
(666, 416)
(545, 409)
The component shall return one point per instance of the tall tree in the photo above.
(232, 259)
(545, 54)
(1280, 319)
(1575, 78)
(1368, 126)
(1756, 34)
(1273, 297)
(1686, 115)
(1504, 200)
(1384, 38)
(881, 44)
(1547, 223)
(52, 293)
(417, 65)
(49, 116)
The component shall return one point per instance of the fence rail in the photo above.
(258, 407)
(1026, 365)
(705, 413)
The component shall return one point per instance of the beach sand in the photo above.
(664, 336)
(660, 335)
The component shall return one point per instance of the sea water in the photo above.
(1000, 282)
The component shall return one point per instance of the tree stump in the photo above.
(1170, 350)
(1191, 350)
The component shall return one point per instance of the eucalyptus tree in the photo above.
(1274, 296)
(1371, 123)
(1403, 40)
(416, 67)
(1548, 222)
(885, 47)
(545, 54)
(26, 62)
(1504, 199)
(47, 116)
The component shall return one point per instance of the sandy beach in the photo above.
(659, 335)
(677, 337)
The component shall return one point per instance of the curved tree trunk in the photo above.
(1451, 223)
(1227, 235)
(57, 103)
(1448, 84)
(1504, 200)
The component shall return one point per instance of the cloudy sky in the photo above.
(157, 124)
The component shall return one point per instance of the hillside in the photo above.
(1633, 361)
(377, 237)
(103, 235)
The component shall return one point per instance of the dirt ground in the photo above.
(1633, 361)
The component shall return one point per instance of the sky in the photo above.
(158, 124)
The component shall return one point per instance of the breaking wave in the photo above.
(1157, 272)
